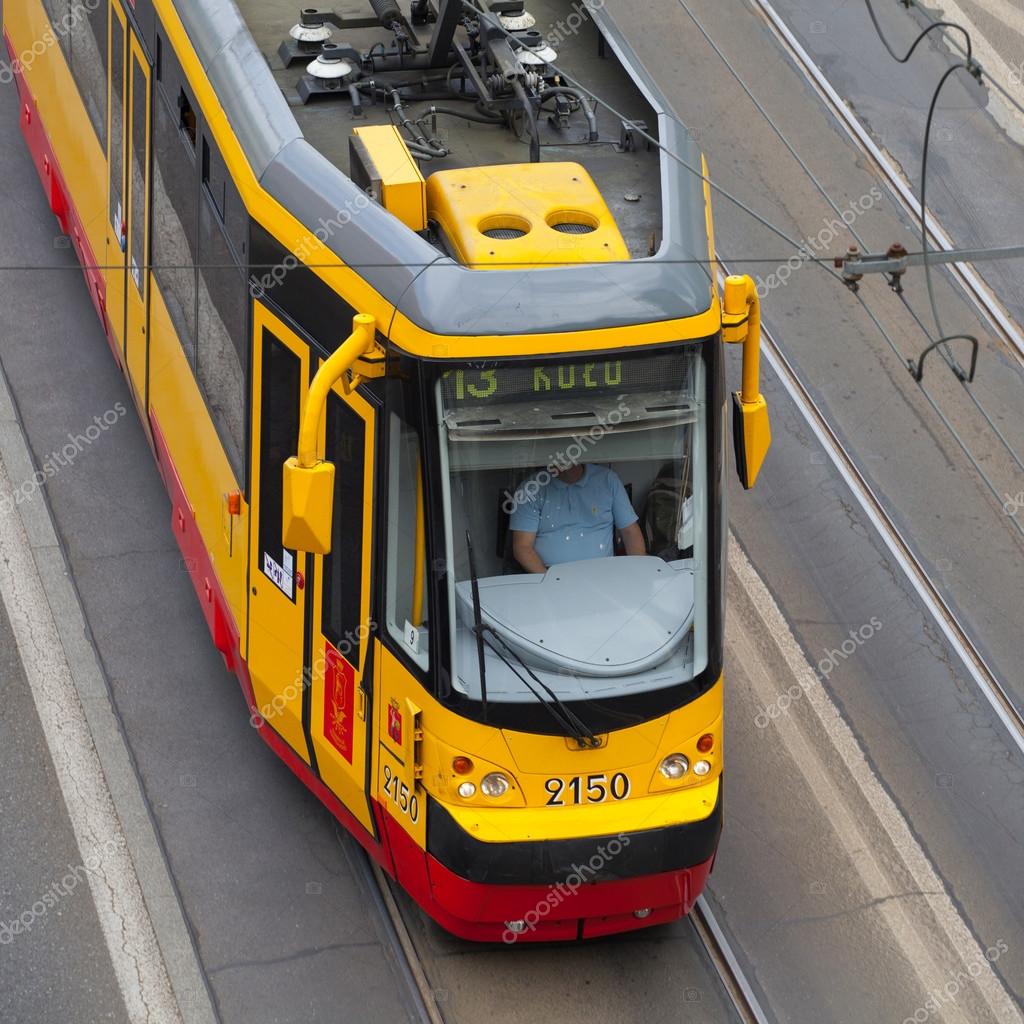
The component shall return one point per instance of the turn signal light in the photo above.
(462, 765)
(705, 743)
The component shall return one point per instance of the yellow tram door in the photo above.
(114, 260)
(137, 207)
(278, 592)
(342, 657)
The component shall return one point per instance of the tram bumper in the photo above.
(559, 889)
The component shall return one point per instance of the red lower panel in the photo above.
(57, 192)
(569, 910)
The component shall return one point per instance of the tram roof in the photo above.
(298, 154)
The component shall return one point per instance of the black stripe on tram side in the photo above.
(377, 523)
(309, 570)
(550, 861)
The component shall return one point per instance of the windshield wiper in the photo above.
(557, 708)
(477, 624)
(573, 725)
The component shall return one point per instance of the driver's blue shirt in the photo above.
(572, 521)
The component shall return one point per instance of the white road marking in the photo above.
(115, 888)
(845, 821)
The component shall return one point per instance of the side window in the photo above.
(223, 332)
(406, 548)
(174, 224)
(59, 13)
(279, 437)
(140, 200)
(343, 567)
(116, 127)
(88, 35)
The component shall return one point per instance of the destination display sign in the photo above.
(520, 382)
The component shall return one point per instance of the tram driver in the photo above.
(570, 514)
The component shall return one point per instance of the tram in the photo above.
(428, 346)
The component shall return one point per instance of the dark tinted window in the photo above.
(88, 36)
(279, 438)
(223, 337)
(175, 191)
(116, 126)
(343, 567)
(139, 198)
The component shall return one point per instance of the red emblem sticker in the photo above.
(395, 722)
(339, 698)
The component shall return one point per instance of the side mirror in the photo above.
(751, 430)
(308, 497)
(751, 437)
(308, 506)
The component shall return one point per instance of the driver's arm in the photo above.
(525, 553)
(633, 539)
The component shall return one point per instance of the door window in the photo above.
(117, 128)
(407, 575)
(279, 438)
(140, 106)
(343, 567)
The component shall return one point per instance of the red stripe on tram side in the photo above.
(225, 635)
(58, 194)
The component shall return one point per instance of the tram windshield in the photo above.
(576, 505)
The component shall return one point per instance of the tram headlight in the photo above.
(494, 784)
(675, 766)
(701, 768)
(466, 790)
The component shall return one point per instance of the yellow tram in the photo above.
(427, 345)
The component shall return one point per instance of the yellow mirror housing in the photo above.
(751, 431)
(308, 506)
(307, 509)
(751, 435)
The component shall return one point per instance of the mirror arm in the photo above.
(357, 344)
(741, 321)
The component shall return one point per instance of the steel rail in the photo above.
(979, 291)
(726, 963)
(396, 933)
(956, 634)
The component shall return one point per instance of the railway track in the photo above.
(956, 634)
(1005, 328)
(726, 964)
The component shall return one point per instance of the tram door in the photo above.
(117, 215)
(127, 231)
(278, 592)
(343, 643)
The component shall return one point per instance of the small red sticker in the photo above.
(339, 697)
(395, 722)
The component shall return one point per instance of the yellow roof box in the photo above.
(382, 165)
(524, 215)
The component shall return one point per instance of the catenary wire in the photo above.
(948, 358)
